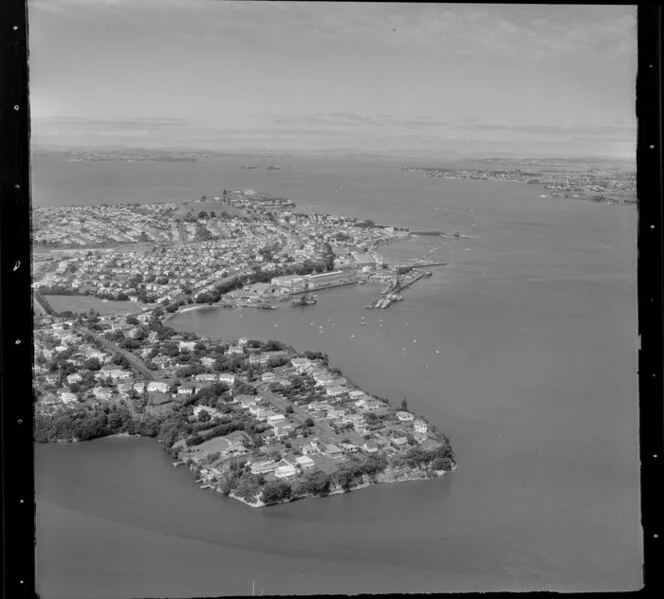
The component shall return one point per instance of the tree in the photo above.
(202, 214)
(204, 416)
(309, 422)
(92, 364)
(318, 482)
(275, 492)
(345, 477)
(404, 404)
(289, 409)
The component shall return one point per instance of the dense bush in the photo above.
(275, 492)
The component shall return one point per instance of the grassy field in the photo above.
(82, 304)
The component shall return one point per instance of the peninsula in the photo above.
(253, 419)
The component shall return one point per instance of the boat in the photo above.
(304, 300)
(266, 307)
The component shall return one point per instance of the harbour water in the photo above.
(522, 349)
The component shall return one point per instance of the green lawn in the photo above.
(83, 303)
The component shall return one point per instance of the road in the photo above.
(135, 363)
(184, 296)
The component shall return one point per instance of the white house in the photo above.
(74, 378)
(206, 376)
(421, 427)
(405, 416)
(305, 462)
(285, 471)
(263, 467)
(66, 397)
(102, 393)
(277, 418)
(157, 387)
(228, 378)
(335, 391)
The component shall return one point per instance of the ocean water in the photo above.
(534, 322)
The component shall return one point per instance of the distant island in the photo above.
(264, 168)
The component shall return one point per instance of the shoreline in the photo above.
(337, 491)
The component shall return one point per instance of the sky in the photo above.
(397, 77)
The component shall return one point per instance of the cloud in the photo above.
(578, 130)
(351, 119)
(111, 123)
(583, 33)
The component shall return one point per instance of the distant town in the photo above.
(255, 420)
(604, 182)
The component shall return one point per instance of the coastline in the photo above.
(339, 491)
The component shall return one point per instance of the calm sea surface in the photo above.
(534, 322)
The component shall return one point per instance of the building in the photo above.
(74, 378)
(290, 283)
(276, 419)
(421, 427)
(263, 467)
(333, 451)
(405, 416)
(285, 471)
(227, 377)
(66, 397)
(331, 279)
(157, 387)
(335, 391)
(305, 462)
(206, 376)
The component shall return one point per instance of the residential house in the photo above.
(276, 419)
(228, 378)
(421, 427)
(206, 376)
(349, 447)
(399, 442)
(157, 387)
(373, 404)
(305, 463)
(67, 398)
(263, 467)
(124, 389)
(102, 393)
(335, 391)
(285, 470)
(334, 452)
(405, 416)
(247, 401)
(302, 364)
